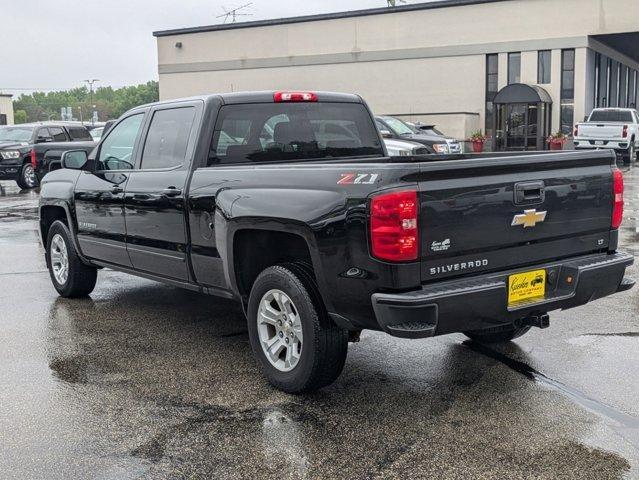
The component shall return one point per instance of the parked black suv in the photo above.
(392, 127)
(16, 146)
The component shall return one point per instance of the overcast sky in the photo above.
(50, 45)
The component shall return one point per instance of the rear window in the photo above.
(79, 133)
(621, 116)
(293, 131)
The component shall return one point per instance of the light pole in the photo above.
(90, 83)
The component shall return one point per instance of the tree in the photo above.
(20, 116)
(110, 103)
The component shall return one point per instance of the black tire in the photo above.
(324, 346)
(27, 179)
(81, 278)
(497, 335)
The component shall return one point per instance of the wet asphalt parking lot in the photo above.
(144, 380)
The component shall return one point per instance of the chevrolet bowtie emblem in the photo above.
(529, 218)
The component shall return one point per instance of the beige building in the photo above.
(6, 109)
(441, 63)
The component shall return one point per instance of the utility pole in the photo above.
(90, 83)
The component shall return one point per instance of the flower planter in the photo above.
(478, 146)
(556, 144)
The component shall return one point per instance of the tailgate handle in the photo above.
(529, 192)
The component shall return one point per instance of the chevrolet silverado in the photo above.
(288, 202)
(615, 129)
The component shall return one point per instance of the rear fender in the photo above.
(289, 213)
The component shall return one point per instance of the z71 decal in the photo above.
(358, 178)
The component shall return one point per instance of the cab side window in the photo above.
(79, 133)
(168, 138)
(58, 134)
(116, 152)
(43, 135)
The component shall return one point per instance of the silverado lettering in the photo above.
(459, 266)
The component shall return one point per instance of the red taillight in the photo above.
(295, 97)
(576, 134)
(625, 131)
(394, 234)
(34, 159)
(617, 192)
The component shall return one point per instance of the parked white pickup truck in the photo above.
(612, 128)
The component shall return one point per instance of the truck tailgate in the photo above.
(485, 214)
(600, 131)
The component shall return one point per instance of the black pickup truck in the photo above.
(20, 145)
(287, 202)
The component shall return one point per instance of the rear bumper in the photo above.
(482, 302)
(617, 145)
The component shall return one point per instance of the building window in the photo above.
(544, 66)
(567, 103)
(613, 84)
(492, 86)
(623, 87)
(3, 118)
(632, 90)
(514, 68)
(604, 77)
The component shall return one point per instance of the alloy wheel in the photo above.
(279, 327)
(29, 176)
(59, 259)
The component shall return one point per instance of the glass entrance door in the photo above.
(516, 126)
(522, 126)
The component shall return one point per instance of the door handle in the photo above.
(171, 192)
(530, 192)
(116, 189)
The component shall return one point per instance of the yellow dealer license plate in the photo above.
(526, 285)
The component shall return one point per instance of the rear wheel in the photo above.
(632, 153)
(297, 344)
(497, 335)
(70, 277)
(27, 177)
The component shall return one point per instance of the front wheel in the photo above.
(27, 178)
(494, 335)
(70, 277)
(297, 344)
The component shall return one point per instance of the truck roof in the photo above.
(266, 96)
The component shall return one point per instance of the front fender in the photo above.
(57, 190)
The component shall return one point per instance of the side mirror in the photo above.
(386, 133)
(74, 159)
(43, 139)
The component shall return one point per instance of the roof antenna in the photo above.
(232, 13)
(393, 3)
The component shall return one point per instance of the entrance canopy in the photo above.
(522, 118)
(522, 93)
